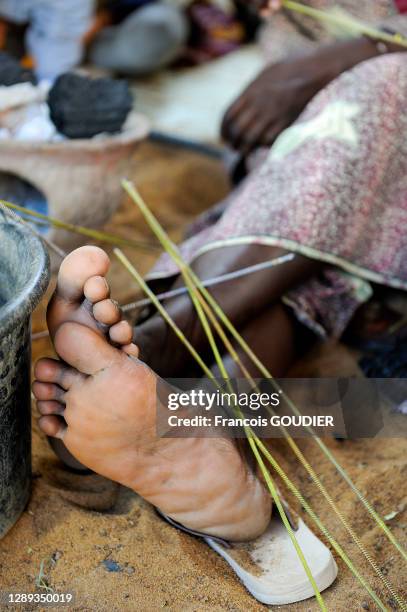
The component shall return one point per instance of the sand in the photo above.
(108, 546)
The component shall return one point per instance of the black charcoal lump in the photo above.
(81, 107)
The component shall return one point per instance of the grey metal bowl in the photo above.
(24, 277)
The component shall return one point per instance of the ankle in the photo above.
(204, 484)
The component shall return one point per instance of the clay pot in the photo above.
(79, 179)
(24, 277)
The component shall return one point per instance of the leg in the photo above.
(274, 338)
(108, 402)
(160, 347)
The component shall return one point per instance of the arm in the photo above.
(282, 90)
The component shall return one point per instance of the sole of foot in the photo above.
(101, 401)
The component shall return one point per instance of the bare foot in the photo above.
(107, 398)
(82, 296)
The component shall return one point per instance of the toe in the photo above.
(121, 333)
(53, 426)
(50, 407)
(48, 391)
(107, 312)
(132, 350)
(77, 268)
(84, 349)
(96, 289)
(53, 371)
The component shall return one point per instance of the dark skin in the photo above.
(265, 324)
(269, 105)
(275, 99)
(258, 294)
(282, 90)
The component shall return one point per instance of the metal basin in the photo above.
(24, 277)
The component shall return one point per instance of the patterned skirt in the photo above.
(333, 187)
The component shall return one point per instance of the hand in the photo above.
(280, 93)
(272, 102)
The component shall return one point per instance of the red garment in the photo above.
(401, 5)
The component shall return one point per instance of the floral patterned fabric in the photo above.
(334, 188)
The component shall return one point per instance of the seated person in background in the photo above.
(55, 31)
(302, 58)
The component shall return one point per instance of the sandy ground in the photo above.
(79, 527)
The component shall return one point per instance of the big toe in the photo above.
(83, 268)
(78, 267)
(84, 349)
